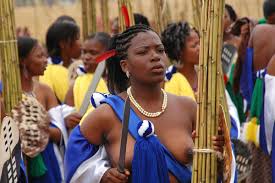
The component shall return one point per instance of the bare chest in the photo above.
(174, 134)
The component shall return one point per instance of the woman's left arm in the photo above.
(51, 102)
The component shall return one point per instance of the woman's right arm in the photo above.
(97, 124)
(94, 128)
(69, 98)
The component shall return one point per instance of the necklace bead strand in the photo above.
(144, 112)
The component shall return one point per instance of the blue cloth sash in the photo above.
(246, 81)
(53, 173)
(181, 172)
(78, 150)
(234, 129)
(23, 178)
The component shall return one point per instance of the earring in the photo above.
(178, 64)
(25, 71)
(127, 74)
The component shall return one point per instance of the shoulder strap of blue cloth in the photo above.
(181, 172)
(246, 81)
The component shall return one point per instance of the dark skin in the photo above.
(35, 64)
(2, 109)
(271, 66)
(227, 36)
(271, 19)
(70, 49)
(91, 49)
(145, 62)
(262, 41)
(190, 58)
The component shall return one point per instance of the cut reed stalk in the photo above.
(9, 56)
(128, 5)
(105, 15)
(205, 163)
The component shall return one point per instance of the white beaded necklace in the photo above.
(142, 111)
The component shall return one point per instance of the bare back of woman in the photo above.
(263, 43)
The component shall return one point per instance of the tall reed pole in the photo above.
(211, 93)
(88, 17)
(197, 5)
(128, 5)
(162, 14)
(84, 4)
(12, 91)
(105, 15)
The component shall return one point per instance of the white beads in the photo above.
(142, 111)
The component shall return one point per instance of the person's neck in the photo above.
(147, 94)
(188, 70)
(91, 71)
(26, 83)
(66, 60)
(271, 19)
(226, 36)
(271, 22)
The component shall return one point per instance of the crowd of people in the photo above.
(158, 74)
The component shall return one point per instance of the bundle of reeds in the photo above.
(162, 14)
(105, 15)
(211, 99)
(196, 5)
(12, 91)
(128, 5)
(88, 17)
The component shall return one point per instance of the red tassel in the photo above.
(105, 56)
(126, 16)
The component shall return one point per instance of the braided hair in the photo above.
(174, 39)
(116, 78)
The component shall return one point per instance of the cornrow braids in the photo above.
(116, 78)
(174, 38)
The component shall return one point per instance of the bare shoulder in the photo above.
(41, 87)
(184, 101)
(45, 94)
(188, 104)
(260, 34)
(104, 112)
(98, 123)
(271, 66)
(263, 30)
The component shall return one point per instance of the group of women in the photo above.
(162, 100)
